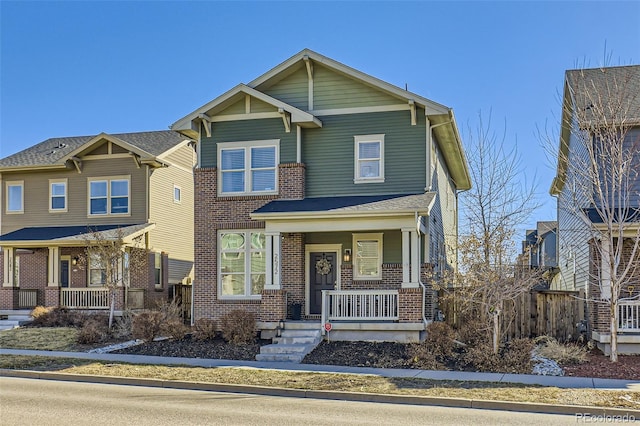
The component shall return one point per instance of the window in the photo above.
(58, 195)
(177, 194)
(97, 271)
(157, 270)
(109, 196)
(242, 263)
(369, 158)
(248, 167)
(368, 256)
(15, 197)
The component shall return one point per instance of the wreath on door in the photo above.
(323, 267)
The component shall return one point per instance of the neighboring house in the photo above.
(612, 94)
(539, 250)
(58, 194)
(324, 193)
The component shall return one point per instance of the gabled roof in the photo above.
(55, 152)
(185, 124)
(338, 206)
(580, 88)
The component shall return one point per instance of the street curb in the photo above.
(330, 395)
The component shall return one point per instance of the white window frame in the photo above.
(51, 196)
(10, 184)
(246, 146)
(95, 257)
(356, 263)
(360, 139)
(177, 191)
(109, 196)
(247, 265)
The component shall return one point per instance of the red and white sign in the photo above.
(328, 326)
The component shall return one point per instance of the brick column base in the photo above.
(410, 305)
(273, 306)
(8, 297)
(52, 296)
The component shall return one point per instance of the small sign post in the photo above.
(328, 327)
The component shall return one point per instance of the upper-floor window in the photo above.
(109, 196)
(15, 196)
(57, 195)
(369, 158)
(242, 263)
(367, 264)
(177, 194)
(248, 167)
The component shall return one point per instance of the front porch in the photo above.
(628, 330)
(16, 298)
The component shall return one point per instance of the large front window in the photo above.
(248, 167)
(368, 256)
(109, 196)
(97, 270)
(242, 264)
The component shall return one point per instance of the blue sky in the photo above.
(81, 68)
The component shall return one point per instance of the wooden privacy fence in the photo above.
(536, 313)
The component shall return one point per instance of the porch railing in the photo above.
(84, 298)
(27, 298)
(352, 305)
(629, 316)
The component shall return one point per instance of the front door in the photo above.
(322, 276)
(64, 273)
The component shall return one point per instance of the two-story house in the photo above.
(539, 251)
(61, 194)
(597, 190)
(324, 193)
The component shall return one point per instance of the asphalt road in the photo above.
(44, 402)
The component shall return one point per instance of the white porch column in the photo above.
(53, 275)
(415, 259)
(273, 262)
(406, 257)
(9, 262)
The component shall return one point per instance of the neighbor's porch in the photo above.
(628, 330)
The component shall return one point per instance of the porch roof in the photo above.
(346, 205)
(71, 235)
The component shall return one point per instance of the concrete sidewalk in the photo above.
(560, 382)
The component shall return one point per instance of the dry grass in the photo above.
(44, 339)
(340, 382)
(563, 353)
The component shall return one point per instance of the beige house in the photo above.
(59, 194)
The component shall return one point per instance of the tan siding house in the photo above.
(61, 194)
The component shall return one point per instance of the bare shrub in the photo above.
(94, 330)
(60, 317)
(239, 327)
(440, 340)
(513, 357)
(564, 354)
(124, 324)
(205, 329)
(146, 325)
(174, 328)
(473, 332)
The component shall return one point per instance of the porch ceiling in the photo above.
(56, 236)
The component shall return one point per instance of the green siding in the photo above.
(294, 89)
(391, 242)
(249, 130)
(333, 90)
(258, 106)
(237, 108)
(329, 154)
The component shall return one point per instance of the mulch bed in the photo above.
(192, 348)
(598, 365)
(361, 354)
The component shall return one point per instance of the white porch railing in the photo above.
(84, 298)
(629, 316)
(352, 305)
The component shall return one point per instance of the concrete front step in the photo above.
(295, 341)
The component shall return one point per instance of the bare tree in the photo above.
(597, 181)
(494, 209)
(110, 260)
